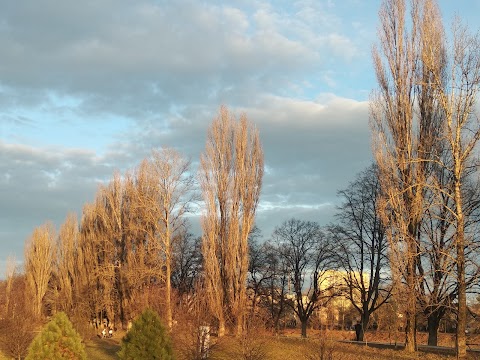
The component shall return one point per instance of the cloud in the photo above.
(90, 87)
(312, 149)
(142, 56)
(38, 185)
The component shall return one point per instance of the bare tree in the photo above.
(436, 265)
(406, 129)
(362, 253)
(259, 271)
(231, 178)
(175, 183)
(10, 273)
(125, 243)
(66, 267)
(456, 84)
(268, 277)
(125, 222)
(112, 249)
(39, 262)
(89, 291)
(308, 256)
(187, 262)
(18, 324)
(278, 274)
(437, 260)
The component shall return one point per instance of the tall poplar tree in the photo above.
(231, 178)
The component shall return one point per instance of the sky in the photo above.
(88, 88)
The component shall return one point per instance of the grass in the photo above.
(267, 347)
(311, 349)
(102, 349)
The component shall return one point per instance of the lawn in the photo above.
(267, 347)
(271, 348)
(102, 349)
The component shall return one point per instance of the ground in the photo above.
(287, 346)
(290, 346)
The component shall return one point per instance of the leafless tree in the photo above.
(456, 83)
(39, 262)
(187, 262)
(362, 245)
(112, 249)
(436, 265)
(66, 266)
(126, 236)
(308, 255)
(10, 273)
(278, 275)
(268, 277)
(175, 183)
(259, 270)
(18, 324)
(89, 291)
(231, 178)
(406, 127)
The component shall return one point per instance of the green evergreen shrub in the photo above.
(58, 340)
(147, 339)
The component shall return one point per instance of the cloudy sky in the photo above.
(90, 87)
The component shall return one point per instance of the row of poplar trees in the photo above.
(118, 259)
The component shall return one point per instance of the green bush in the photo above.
(57, 340)
(147, 339)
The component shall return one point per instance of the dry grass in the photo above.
(320, 346)
(311, 349)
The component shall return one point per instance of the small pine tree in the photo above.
(58, 340)
(147, 339)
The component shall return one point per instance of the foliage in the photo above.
(58, 340)
(147, 339)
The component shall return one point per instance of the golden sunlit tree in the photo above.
(456, 79)
(66, 266)
(425, 126)
(231, 177)
(174, 183)
(39, 263)
(406, 126)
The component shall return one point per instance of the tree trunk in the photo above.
(240, 325)
(364, 325)
(168, 273)
(304, 328)
(221, 327)
(410, 313)
(462, 298)
(461, 343)
(433, 321)
(410, 332)
(462, 316)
